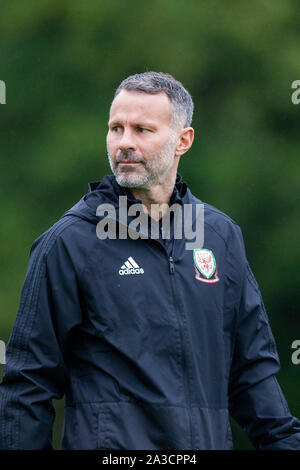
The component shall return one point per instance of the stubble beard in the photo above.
(155, 168)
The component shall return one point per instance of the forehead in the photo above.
(139, 106)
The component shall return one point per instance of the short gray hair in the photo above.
(157, 82)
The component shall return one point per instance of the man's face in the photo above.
(140, 140)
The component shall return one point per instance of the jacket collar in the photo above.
(110, 189)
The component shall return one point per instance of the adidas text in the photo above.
(131, 271)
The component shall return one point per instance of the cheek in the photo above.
(153, 147)
(110, 145)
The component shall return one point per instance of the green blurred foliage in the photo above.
(61, 62)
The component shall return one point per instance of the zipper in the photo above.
(184, 357)
(171, 264)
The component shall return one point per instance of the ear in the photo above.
(184, 141)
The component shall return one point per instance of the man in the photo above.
(153, 345)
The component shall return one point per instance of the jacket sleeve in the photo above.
(256, 400)
(35, 371)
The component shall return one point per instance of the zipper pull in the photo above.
(171, 262)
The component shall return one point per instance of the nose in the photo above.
(127, 141)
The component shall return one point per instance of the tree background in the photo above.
(61, 61)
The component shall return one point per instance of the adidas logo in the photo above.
(130, 267)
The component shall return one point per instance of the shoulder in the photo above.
(225, 236)
(65, 234)
(220, 223)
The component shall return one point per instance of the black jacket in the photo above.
(152, 344)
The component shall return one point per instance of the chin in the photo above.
(132, 182)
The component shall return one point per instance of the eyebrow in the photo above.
(138, 124)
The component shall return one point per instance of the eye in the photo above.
(115, 128)
(143, 130)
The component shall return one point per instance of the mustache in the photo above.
(128, 155)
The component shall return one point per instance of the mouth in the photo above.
(129, 163)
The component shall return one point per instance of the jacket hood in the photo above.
(108, 191)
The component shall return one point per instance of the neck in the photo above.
(156, 198)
